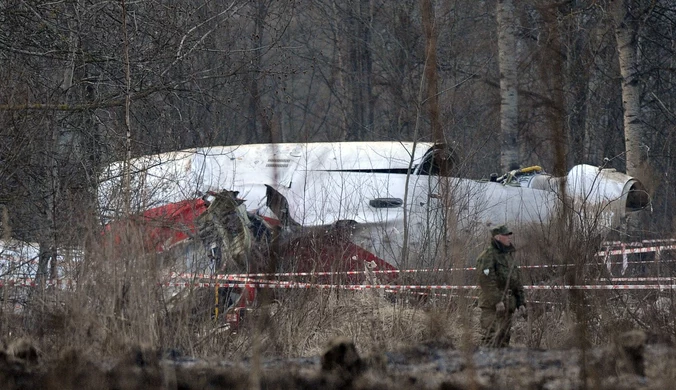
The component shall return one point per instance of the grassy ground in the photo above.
(118, 308)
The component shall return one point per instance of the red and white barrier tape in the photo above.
(230, 277)
(606, 287)
(34, 283)
(318, 286)
(237, 277)
(641, 279)
(245, 278)
(622, 251)
(252, 280)
(293, 285)
(416, 287)
(611, 244)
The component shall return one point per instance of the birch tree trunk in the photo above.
(509, 132)
(47, 241)
(47, 258)
(598, 100)
(626, 26)
(432, 95)
(258, 126)
(358, 22)
(551, 74)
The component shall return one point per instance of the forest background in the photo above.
(504, 83)
(87, 83)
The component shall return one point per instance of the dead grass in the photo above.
(117, 303)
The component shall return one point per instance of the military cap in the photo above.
(502, 229)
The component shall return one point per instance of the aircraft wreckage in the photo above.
(318, 207)
(351, 201)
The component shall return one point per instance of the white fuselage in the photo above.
(382, 186)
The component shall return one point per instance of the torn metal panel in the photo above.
(224, 231)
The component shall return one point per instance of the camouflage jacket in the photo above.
(499, 278)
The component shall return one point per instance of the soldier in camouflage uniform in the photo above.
(501, 289)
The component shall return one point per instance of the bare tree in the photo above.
(353, 25)
(206, 73)
(509, 106)
(627, 15)
(432, 88)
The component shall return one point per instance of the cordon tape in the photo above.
(196, 280)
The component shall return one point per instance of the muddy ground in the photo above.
(631, 363)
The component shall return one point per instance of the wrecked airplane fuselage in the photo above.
(393, 196)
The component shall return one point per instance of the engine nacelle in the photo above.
(601, 196)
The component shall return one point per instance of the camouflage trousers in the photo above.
(495, 329)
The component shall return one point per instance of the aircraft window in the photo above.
(386, 170)
(386, 203)
(437, 161)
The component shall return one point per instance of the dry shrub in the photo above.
(562, 318)
(117, 302)
(303, 322)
